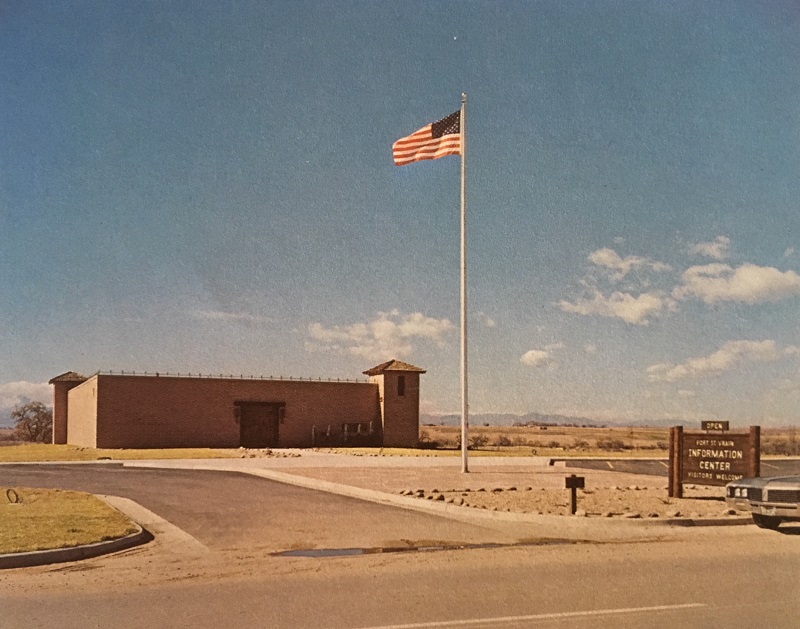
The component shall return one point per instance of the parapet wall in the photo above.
(177, 412)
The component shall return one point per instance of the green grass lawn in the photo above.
(47, 519)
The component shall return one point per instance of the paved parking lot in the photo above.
(228, 510)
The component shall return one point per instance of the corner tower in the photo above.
(61, 386)
(398, 394)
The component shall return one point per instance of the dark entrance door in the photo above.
(258, 424)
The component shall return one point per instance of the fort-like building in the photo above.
(124, 410)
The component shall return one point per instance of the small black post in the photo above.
(574, 483)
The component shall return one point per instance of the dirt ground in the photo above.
(540, 490)
(632, 501)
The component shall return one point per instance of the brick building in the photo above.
(118, 410)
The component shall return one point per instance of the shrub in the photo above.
(779, 446)
(610, 444)
(478, 441)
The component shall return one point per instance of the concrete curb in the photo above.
(162, 530)
(466, 514)
(62, 555)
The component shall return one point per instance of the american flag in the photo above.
(435, 140)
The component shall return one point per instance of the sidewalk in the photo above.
(393, 474)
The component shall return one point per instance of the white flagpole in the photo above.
(464, 404)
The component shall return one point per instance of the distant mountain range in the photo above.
(535, 419)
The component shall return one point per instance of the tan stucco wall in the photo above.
(157, 412)
(82, 414)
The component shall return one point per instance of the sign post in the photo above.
(574, 483)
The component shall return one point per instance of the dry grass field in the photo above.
(16, 452)
(46, 519)
(552, 440)
(584, 441)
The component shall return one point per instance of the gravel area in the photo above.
(632, 501)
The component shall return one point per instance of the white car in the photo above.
(770, 500)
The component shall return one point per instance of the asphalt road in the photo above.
(225, 510)
(739, 577)
(661, 468)
(734, 576)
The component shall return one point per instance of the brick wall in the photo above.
(165, 411)
(400, 412)
(60, 401)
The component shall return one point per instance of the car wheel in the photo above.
(766, 521)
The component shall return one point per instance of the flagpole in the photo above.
(464, 404)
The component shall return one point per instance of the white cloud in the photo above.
(389, 335)
(748, 283)
(789, 252)
(729, 356)
(717, 249)
(17, 393)
(536, 357)
(486, 320)
(633, 302)
(620, 267)
(635, 310)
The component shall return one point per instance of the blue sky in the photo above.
(208, 187)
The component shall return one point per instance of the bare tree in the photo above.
(33, 422)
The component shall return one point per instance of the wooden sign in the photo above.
(575, 482)
(717, 426)
(714, 459)
(710, 459)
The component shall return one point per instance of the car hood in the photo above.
(773, 480)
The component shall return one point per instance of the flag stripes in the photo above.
(433, 141)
